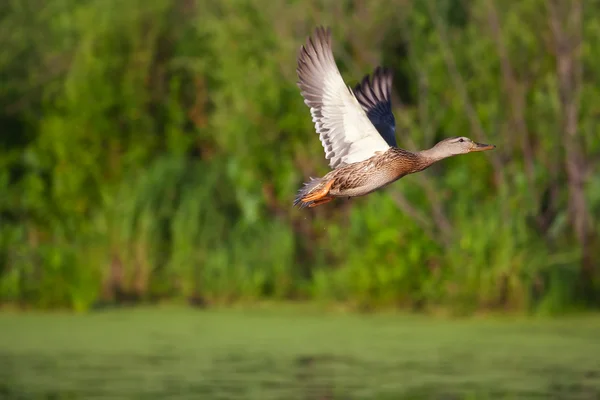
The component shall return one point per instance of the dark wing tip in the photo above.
(376, 87)
(374, 95)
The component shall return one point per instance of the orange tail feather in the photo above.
(314, 193)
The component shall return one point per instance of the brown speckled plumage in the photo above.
(356, 128)
(376, 172)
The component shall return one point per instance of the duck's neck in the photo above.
(409, 162)
(431, 156)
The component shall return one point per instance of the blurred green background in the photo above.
(150, 152)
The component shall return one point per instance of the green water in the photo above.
(190, 354)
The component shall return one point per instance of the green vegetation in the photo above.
(151, 151)
(296, 355)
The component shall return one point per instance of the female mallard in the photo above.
(357, 129)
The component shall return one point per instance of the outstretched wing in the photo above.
(374, 95)
(346, 133)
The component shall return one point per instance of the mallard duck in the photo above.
(357, 129)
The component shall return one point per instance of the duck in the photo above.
(356, 127)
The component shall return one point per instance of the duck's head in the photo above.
(459, 145)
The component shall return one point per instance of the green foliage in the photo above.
(152, 151)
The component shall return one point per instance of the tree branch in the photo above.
(515, 98)
(420, 219)
(460, 85)
(566, 29)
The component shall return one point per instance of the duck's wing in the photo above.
(346, 133)
(374, 95)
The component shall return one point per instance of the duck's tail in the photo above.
(313, 193)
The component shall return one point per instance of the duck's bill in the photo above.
(482, 147)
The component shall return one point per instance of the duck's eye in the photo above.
(461, 140)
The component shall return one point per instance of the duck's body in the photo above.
(366, 176)
(357, 129)
(361, 178)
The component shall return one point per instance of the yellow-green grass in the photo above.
(294, 354)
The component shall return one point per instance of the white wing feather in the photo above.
(346, 133)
